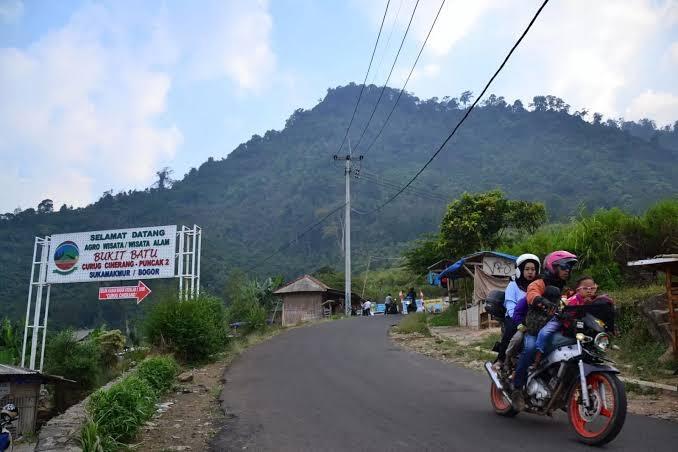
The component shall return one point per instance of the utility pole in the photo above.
(347, 239)
(347, 233)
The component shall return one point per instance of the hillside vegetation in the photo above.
(271, 187)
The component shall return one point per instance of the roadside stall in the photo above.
(668, 264)
(477, 275)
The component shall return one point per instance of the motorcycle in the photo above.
(9, 414)
(575, 376)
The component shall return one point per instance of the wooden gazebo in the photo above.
(667, 263)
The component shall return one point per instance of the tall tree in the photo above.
(476, 221)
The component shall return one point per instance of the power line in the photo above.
(468, 112)
(410, 191)
(383, 126)
(388, 40)
(383, 88)
(355, 109)
(394, 184)
(297, 237)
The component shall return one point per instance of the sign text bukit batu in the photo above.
(112, 255)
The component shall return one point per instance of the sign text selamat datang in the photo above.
(112, 255)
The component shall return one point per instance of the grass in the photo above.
(413, 323)
(449, 317)
(488, 341)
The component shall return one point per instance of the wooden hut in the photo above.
(307, 298)
(21, 387)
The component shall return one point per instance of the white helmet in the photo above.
(527, 257)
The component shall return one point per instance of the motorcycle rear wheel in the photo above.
(501, 406)
(603, 422)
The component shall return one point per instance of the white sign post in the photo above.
(108, 255)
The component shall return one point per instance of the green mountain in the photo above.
(270, 188)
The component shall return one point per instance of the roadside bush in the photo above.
(158, 372)
(413, 323)
(245, 307)
(192, 329)
(119, 411)
(110, 343)
(79, 361)
(91, 439)
(449, 317)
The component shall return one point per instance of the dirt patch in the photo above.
(460, 346)
(190, 415)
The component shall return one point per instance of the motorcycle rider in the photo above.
(540, 322)
(527, 269)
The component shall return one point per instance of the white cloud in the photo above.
(673, 53)
(230, 39)
(86, 104)
(457, 19)
(11, 10)
(660, 106)
(76, 111)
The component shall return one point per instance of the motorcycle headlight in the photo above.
(602, 342)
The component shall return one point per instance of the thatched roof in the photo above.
(305, 283)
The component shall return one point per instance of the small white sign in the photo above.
(498, 266)
(112, 255)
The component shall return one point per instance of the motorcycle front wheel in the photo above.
(603, 420)
(501, 406)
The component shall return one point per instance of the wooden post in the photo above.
(672, 298)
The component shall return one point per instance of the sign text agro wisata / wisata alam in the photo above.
(112, 255)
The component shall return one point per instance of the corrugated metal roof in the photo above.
(657, 260)
(305, 283)
(6, 369)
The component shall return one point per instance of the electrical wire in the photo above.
(411, 191)
(388, 41)
(400, 94)
(468, 112)
(297, 237)
(383, 88)
(394, 184)
(355, 109)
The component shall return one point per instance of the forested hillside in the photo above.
(270, 188)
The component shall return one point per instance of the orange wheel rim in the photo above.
(498, 399)
(591, 423)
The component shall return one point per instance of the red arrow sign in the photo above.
(139, 292)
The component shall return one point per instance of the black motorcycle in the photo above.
(575, 376)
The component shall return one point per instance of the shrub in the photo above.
(120, 410)
(158, 372)
(192, 329)
(449, 317)
(414, 323)
(110, 343)
(245, 307)
(79, 361)
(92, 440)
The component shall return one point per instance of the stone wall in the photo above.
(62, 433)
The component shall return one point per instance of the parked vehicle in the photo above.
(8, 415)
(575, 376)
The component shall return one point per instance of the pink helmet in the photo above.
(563, 259)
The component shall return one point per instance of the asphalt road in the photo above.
(344, 385)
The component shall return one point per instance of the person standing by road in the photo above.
(367, 306)
(388, 301)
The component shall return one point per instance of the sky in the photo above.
(99, 95)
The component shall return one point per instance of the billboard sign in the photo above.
(112, 255)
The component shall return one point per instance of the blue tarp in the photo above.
(452, 272)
